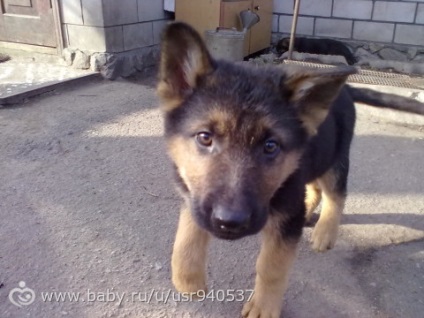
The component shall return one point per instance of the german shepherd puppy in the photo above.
(246, 142)
(316, 46)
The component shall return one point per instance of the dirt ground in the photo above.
(87, 206)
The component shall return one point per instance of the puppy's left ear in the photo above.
(313, 92)
(184, 60)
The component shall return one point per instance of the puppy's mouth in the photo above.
(226, 234)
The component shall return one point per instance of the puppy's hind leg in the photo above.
(189, 255)
(333, 185)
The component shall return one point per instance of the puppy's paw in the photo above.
(324, 235)
(262, 307)
(189, 283)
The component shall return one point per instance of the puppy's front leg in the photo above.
(272, 268)
(189, 255)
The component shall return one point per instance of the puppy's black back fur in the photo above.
(332, 142)
(317, 46)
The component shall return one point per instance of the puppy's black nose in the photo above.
(230, 221)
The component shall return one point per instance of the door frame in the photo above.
(42, 49)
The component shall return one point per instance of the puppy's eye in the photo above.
(204, 139)
(271, 147)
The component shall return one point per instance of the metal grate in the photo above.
(372, 77)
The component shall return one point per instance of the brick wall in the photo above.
(394, 22)
(110, 25)
(115, 37)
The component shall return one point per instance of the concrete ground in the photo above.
(27, 73)
(87, 206)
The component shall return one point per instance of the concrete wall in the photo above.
(110, 25)
(393, 22)
(124, 28)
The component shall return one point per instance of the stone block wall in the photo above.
(115, 37)
(393, 21)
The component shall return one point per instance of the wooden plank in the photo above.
(230, 11)
(200, 14)
(21, 3)
(260, 37)
(22, 7)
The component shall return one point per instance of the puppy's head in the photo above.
(236, 133)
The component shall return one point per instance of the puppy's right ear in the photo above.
(184, 60)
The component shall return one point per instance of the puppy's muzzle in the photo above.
(230, 222)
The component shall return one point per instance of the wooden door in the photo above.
(28, 22)
(230, 18)
(202, 15)
(260, 34)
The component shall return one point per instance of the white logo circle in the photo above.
(22, 296)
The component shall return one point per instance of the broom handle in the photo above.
(293, 28)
